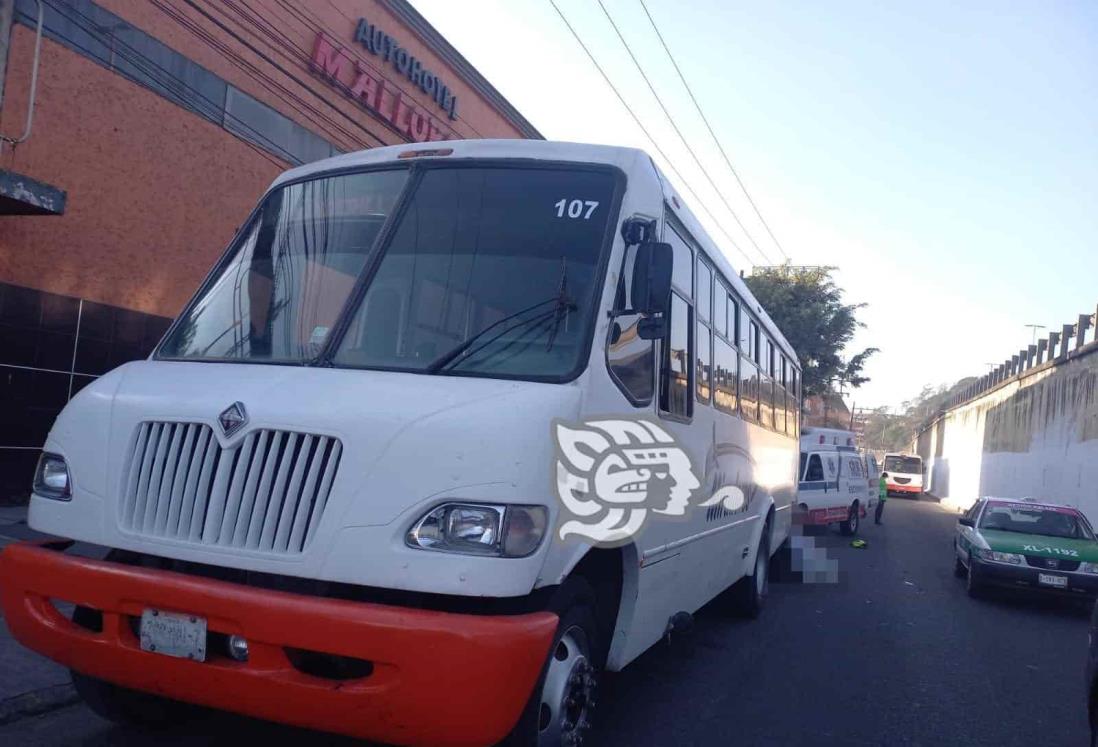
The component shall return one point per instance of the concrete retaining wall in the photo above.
(1035, 434)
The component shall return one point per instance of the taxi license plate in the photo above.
(1047, 579)
(173, 634)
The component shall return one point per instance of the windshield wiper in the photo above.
(464, 348)
(562, 307)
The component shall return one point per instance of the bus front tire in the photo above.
(560, 707)
(749, 593)
(850, 526)
(130, 707)
(120, 704)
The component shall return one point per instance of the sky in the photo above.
(943, 156)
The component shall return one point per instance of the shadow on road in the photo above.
(213, 728)
(1010, 599)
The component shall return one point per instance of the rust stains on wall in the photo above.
(1064, 397)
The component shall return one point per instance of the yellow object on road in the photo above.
(860, 544)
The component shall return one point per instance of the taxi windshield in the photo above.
(1047, 521)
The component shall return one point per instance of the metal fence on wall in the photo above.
(1058, 346)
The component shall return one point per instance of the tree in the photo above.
(885, 432)
(808, 308)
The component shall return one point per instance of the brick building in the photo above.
(156, 126)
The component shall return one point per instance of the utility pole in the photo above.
(1035, 327)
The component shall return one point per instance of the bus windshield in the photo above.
(478, 269)
(904, 465)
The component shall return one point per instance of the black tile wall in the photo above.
(38, 330)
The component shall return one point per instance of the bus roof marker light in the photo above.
(425, 153)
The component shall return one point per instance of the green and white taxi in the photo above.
(1026, 544)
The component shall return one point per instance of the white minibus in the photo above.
(447, 431)
(835, 486)
(904, 474)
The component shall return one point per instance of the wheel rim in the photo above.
(568, 695)
(854, 519)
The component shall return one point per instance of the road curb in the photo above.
(36, 702)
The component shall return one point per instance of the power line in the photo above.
(266, 58)
(647, 134)
(682, 138)
(292, 100)
(275, 41)
(712, 134)
(146, 65)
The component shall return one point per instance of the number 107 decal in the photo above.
(575, 208)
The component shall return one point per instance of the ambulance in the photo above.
(834, 481)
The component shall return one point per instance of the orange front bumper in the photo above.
(438, 679)
(905, 488)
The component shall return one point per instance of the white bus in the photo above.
(904, 474)
(445, 432)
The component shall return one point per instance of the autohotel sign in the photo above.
(380, 95)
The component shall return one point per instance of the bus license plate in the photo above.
(172, 634)
(1047, 579)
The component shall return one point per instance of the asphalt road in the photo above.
(893, 653)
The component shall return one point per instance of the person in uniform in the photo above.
(882, 496)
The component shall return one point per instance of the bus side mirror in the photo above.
(652, 287)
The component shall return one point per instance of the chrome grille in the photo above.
(266, 493)
(1052, 564)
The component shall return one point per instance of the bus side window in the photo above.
(630, 358)
(703, 351)
(704, 369)
(720, 309)
(795, 405)
(703, 289)
(675, 394)
(676, 366)
(734, 321)
(815, 471)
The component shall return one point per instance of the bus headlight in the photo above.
(51, 478)
(1091, 568)
(480, 529)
